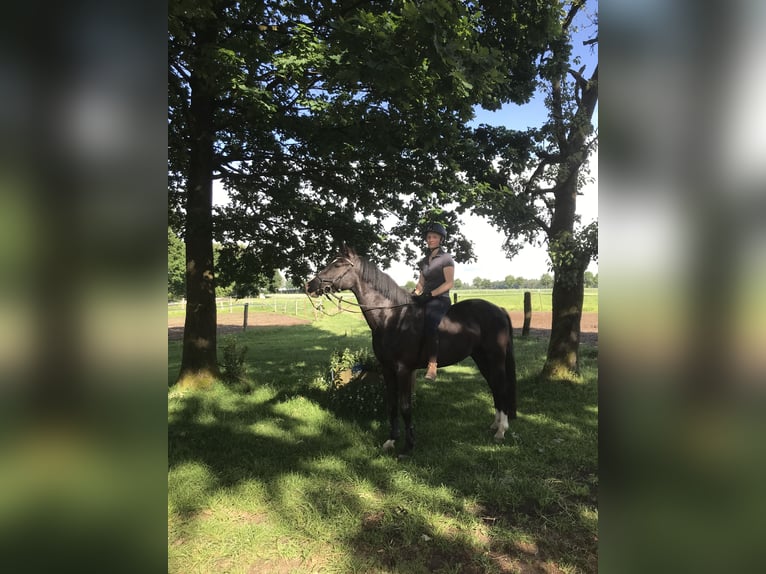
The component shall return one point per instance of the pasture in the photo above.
(298, 305)
(282, 478)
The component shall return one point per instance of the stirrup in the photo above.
(431, 372)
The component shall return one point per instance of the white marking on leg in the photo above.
(502, 426)
(493, 426)
(388, 445)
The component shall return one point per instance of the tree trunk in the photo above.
(199, 359)
(568, 281)
(564, 345)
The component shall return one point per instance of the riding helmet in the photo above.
(436, 228)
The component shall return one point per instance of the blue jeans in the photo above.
(435, 310)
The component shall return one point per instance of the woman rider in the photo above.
(437, 275)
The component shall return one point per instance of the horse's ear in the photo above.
(347, 251)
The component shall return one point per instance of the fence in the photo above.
(299, 305)
(296, 305)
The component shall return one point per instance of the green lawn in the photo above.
(281, 479)
(299, 304)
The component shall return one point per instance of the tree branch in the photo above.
(573, 10)
(541, 223)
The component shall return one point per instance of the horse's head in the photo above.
(339, 275)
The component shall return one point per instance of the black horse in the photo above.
(474, 328)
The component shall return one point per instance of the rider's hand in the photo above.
(423, 297)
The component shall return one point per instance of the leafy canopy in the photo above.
(341, 121)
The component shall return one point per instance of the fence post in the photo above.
(454, 298)
(527, 313)
(244, 323)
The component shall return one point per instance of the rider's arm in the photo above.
(449, 281)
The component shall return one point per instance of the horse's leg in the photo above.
(510, 383)
(389, 376)
(406, 381)
(492, 369)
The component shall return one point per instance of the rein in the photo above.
(367, 307)
(330, 296)
(329, 293)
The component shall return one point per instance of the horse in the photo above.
(474, 327)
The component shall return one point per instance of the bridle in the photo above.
(328, 290)
(328, 285)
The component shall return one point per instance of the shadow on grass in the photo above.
(460, 503)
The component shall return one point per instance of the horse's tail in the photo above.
(510, 370)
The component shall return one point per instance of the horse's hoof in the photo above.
(388, 445)
(403, 457)
(499, 439)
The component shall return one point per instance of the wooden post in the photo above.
(244, 324)
(527, 313)
(454, 298)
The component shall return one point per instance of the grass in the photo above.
(278, 480)
(513, 299)
(298, 304)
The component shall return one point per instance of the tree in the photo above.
(176, 266)
(546, 281)
(529, 186)
(277, 282)
(569, 137)
(590, 280)
(321, 119)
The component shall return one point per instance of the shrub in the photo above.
(232, 365)
(355, 384)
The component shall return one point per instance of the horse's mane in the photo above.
(383, 283)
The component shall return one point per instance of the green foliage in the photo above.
(176, 266)
(329, 115)
(526, 182)
(232, 365)
(354, 383)
(570, 253)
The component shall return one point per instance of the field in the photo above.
(277, 476)
(512, 299)
(296, 309)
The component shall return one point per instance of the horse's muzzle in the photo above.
(315, 287)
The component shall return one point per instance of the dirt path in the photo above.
(232, 323)
(539, 327)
